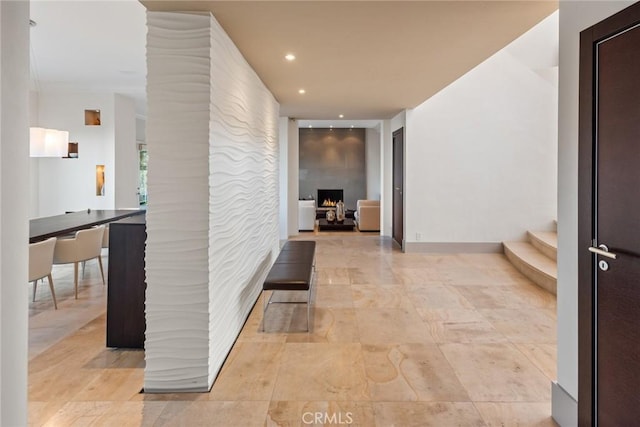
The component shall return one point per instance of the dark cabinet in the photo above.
(126, 291)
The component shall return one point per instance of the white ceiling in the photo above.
(89, 46)
(363, 59)
(338, 123)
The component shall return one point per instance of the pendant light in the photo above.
(45, 142)
(48, 142)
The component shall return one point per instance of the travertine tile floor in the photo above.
(397, 340)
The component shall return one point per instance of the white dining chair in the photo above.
(40, 265)
(85, 246)
(105, 237)
(105, 244)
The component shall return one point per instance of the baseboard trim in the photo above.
(186, 390)
(453, 247)
(564, 408)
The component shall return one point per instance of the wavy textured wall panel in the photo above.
(243, 191)
(177, 253)
(213, 196)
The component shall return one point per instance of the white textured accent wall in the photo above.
(244, 200)
(212, 221)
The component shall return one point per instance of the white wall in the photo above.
(59, 185)
(243, 211)
(481, 155)
(34, 169)
(386, 154)
(283, 176)
(212, 219)
(141, 129)
(293, 162)
(289, 159)
(70, 184)
(177, 251)
(126, 153)
(373, 144)
(14, 190)
(574, 17)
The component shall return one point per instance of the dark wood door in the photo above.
(398, 187)
(610, 201)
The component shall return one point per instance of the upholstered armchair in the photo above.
(306, 215)
(86, 245)
(368, 215)
(40, 263)
(105, 237)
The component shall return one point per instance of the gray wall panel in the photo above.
(333, 159)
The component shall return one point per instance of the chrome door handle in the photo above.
(604, 251)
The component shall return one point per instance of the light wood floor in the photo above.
(397, 339)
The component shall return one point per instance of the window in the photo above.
(142, 180)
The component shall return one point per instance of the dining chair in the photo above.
(40, 265)
(105, 237)
(105, 244)
(85, 246)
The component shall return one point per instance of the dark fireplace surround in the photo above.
(328, 198)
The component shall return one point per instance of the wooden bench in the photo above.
(292, 271)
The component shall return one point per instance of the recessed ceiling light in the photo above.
(310, 126)
(331, 127)
(351, 126)
(289, 57)
(341, 116)
(302, 91)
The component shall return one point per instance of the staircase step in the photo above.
(546, 242)
(533, 264)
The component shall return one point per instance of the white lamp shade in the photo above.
(57, 142)
(36, 142)
(48, 142)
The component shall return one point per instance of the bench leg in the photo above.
(265, 306)
(308, 306)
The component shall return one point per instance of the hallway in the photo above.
(404, 339)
